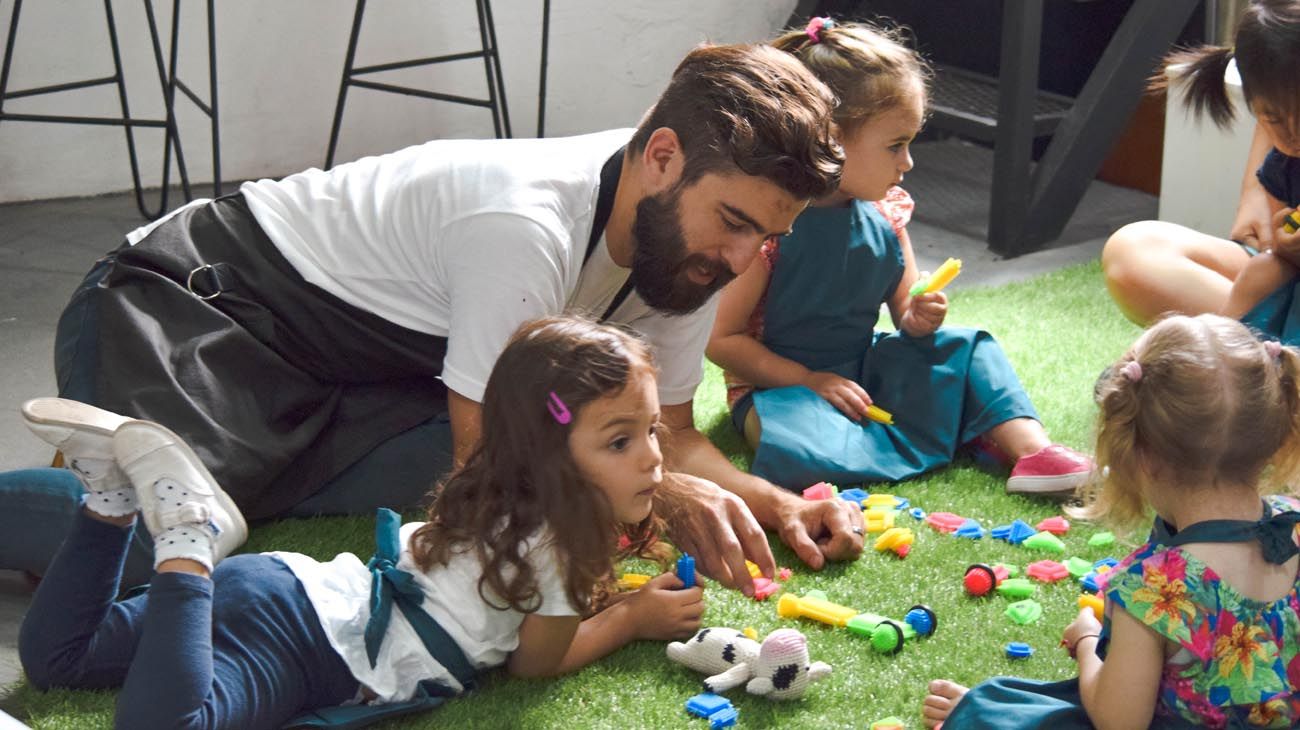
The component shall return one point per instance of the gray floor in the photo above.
(47, 246)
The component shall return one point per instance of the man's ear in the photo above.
(662, 161)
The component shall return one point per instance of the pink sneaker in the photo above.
(1054, 471)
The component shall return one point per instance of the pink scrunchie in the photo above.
(1131, 370)
(815, 27)
(1273, 348)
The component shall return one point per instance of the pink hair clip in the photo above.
(1273, 348)
(815, 27)
(1131, 370)
(558, 410)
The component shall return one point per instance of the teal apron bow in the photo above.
(1274, 533)
(391, 585)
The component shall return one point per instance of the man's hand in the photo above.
(716, 527)
(820, 530)
(1286, 245)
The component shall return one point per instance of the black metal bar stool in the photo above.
(496, 90)
(126, 121)
(174, 83)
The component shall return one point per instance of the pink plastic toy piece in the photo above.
(944, 521)
(1047, 571)
(1056, 525)
(820, 490)
(764, 588)
(784, 573)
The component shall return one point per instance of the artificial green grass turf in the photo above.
(1059, 330)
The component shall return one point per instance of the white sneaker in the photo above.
(177, 494)
(84, 435)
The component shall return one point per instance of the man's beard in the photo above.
(660, 260)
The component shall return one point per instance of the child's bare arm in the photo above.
(1263, 274)
(1121, 692)
(554, 645)
(732, 348)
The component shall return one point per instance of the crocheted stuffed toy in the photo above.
(778, 669)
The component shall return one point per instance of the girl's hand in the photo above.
(924, 314)
(842, 393)
(1253, 224)
(1085, 624)
(662, 610)
(1286, 245)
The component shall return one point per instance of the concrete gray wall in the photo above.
(279, 62)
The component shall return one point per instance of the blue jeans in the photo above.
(243, 650)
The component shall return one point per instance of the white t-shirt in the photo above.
(467, 239)
(340, 592)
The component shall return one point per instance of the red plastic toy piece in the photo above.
(764, 588)
(981, 579)
(1047, 571)
(902, 550)
(944, 521)
(784, 573)
(1056, 525)
(820, 490)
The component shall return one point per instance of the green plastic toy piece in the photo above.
(1017, 588)
(1078, 567)
(1102, 539)
(816, 593)
(1045, 541)
(1025, 612)
(889, 723)
(1013, 571)
(885, 634)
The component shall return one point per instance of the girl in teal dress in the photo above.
(795, 334)
(1202, 622)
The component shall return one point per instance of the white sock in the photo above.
(108, 490)
(190, 541)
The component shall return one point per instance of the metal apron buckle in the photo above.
(189, 283)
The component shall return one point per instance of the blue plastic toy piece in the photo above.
(917, 513)
(1000, 532)
(922, 619)
(970, 528)
(903, 502)
(706, 704)
(1020, 532)
(723, 718)
(854, 495)
(1105, 563)
(1089, 583)
(1019, 650)
(686, 570)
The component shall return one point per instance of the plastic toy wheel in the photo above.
(980, 579)
(923, 619)
(887, 638)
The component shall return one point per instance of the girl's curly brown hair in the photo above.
(521, 478)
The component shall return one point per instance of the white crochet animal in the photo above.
(778, 669)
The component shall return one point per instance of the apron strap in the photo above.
(1275, 533)
(609, 174)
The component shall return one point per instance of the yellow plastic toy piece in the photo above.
(754, 570)
(881, 500)
(817, 609)
(878, 520)
(750, 632)
(1093, 601)
(1291, 223)
(880, 415)
(894, 537)
(632, 581)
(941, 277)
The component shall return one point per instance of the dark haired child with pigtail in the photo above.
(518, 548)
(1154, 267)
(796, 333)
(1202, 622)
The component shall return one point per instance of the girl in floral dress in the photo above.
(1202, 622)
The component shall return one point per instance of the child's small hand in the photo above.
(661, 610)
(924, 314)
(842, 393)
(1085, 624)
(1286, 245)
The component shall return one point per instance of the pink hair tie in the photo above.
(815, 27)
(1131, 370)
(1273, 348)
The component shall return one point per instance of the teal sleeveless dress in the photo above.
(830, 277)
